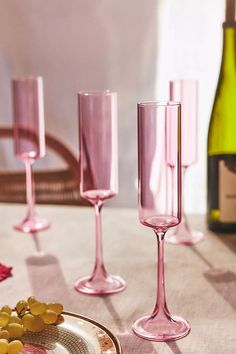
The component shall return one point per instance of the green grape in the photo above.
(15, 319)
(49, 317)
(21, 307)
(15, 330)
(31, 300)
(33, 323)
(56, 307)
(4, 319)
(27, 320)
(4, 334)
(6, 309)
(32, 315)
(15, 347)
(38, 308)
(4, 346)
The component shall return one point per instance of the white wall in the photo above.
(133, 47)
(189, 47)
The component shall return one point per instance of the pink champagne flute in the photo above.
(99, 176)
(186, 92)
(29, 139)
(159, 194)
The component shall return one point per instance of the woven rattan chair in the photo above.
(60, 186)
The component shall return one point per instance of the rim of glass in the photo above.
(96, 92)
(159, 104)
(186, 81)
(27, 78)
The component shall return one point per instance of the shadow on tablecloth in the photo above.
(223, 280)
(228, 239)
(46, 277)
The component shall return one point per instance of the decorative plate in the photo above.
(75, 335)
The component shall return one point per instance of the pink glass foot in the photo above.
(33, 225)
(161, 329)
(111, 284)
(183, 235)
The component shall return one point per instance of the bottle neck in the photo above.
(228, 58)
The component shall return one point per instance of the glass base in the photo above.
(32, 225)
(111, 284)
(189, 239)
(161, 329)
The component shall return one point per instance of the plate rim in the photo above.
(105, 329)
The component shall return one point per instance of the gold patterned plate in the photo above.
(75, 335)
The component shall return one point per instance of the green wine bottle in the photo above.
(222, 136)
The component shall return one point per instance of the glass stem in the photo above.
(161, 306)
(99, 269)
(30, 194)
(184, 169)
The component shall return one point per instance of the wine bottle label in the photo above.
(227, 191)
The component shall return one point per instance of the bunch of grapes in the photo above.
(31, 315)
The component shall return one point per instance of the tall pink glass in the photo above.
(186, 92)
(29, 141)
(99, 176)
(159, 194)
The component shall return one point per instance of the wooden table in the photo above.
(200, 280)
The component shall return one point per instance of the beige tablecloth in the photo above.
(200, 280)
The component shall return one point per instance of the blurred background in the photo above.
(132, 47)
